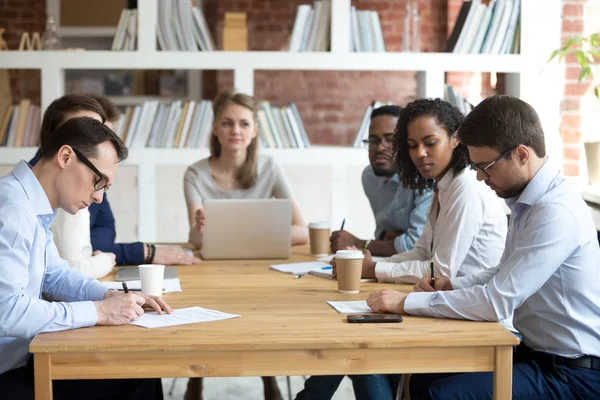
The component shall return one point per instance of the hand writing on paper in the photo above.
(424, 285)
(119, 309)
(112, 256)
(387, 300)
(340, 240)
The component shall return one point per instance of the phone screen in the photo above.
(374, 318)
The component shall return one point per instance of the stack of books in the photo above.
(281, 127)
(452, 96)
(126, 31)
(235, 32)
(182, 27)
(366, 33)
(487, 27)
(312, 27)
(20, 125)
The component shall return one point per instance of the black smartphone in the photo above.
(373, 318)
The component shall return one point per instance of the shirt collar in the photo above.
(446, 180)
(537, 186)
(33, 190)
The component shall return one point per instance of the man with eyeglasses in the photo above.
(548, 276)
(400, 213)
(77, 166)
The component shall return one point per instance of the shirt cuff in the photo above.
(418, 303)
(400, 244)
(84, 314)
(96, 291)
(383, 271)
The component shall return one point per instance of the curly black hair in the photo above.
(448, 117)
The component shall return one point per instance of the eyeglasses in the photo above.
(500, 157)
(102, 182)
(387, 140)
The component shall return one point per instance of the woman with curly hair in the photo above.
(465, 229)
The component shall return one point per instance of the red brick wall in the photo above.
(579, 17)
(18, 16)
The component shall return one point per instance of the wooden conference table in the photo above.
(286, 328)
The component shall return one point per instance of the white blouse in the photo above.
(464, 233)
(72, 238)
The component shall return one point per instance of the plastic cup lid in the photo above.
(349, 254)
(319, 225)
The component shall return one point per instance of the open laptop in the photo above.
(253, 229)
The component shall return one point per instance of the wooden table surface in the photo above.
(286, 328)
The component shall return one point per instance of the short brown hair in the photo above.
(247, 173)
(503, 122)
(110, 109)
(83, 134)
(56, 112)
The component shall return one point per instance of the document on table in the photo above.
(169, 285)
(351, 307)
(328, 258)
(301, 268)
(182, 316)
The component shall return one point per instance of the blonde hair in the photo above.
(246, 175)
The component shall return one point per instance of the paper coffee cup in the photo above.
(151, 276)
(348, 267)
(319, 233)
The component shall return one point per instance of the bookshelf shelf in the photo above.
(324, 178)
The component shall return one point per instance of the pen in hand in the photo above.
(432, 282)
(125, 288)
(343, 223)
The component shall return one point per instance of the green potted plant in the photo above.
(586, 50)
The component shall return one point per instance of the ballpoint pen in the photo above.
(343, 223)
(125, 288)
(432, 283)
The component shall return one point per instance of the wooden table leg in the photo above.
(43, 376)
(502, 373)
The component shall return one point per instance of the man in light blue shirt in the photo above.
(38, 291)
(400, 213)
(549, 274)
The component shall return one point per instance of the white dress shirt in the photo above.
(549, 275)
(464, 233)
(72, 239)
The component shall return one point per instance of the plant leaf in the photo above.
(581, 58)
(585, 72)
(597, 92)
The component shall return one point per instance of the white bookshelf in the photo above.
(528, 78)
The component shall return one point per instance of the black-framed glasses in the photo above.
(500, 157)
(387, 140)
(102, 182)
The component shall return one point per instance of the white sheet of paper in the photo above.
(300, 268)
(190, 315)
(328, 258)
(169, 285)
(351, 307)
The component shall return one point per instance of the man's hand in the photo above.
(392, 235)
(173, 255)
(341, 240)
(199, 220)
(424, 285)
(368, 266)
(387, 300)
(120, 308)
(112, 256)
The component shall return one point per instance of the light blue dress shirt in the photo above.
(549, 274)
(30, 266)
(396, 208)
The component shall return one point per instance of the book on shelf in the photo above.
(281, 127)
(125, 35)
(363, 129)
(486, 27)
(182, 26)
(365, 31)
(20, 125)
(312, 27)
(453, 97)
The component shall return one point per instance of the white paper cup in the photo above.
(152, 276)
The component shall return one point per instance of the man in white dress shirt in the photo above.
(549, 274)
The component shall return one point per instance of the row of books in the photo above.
(188, 124)
(312, 27)
(486, 27)
(20, 125)
(281, 127)
(182, 27)
(453, 97)
(157, 124)
(126, 31)
(365, 31)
